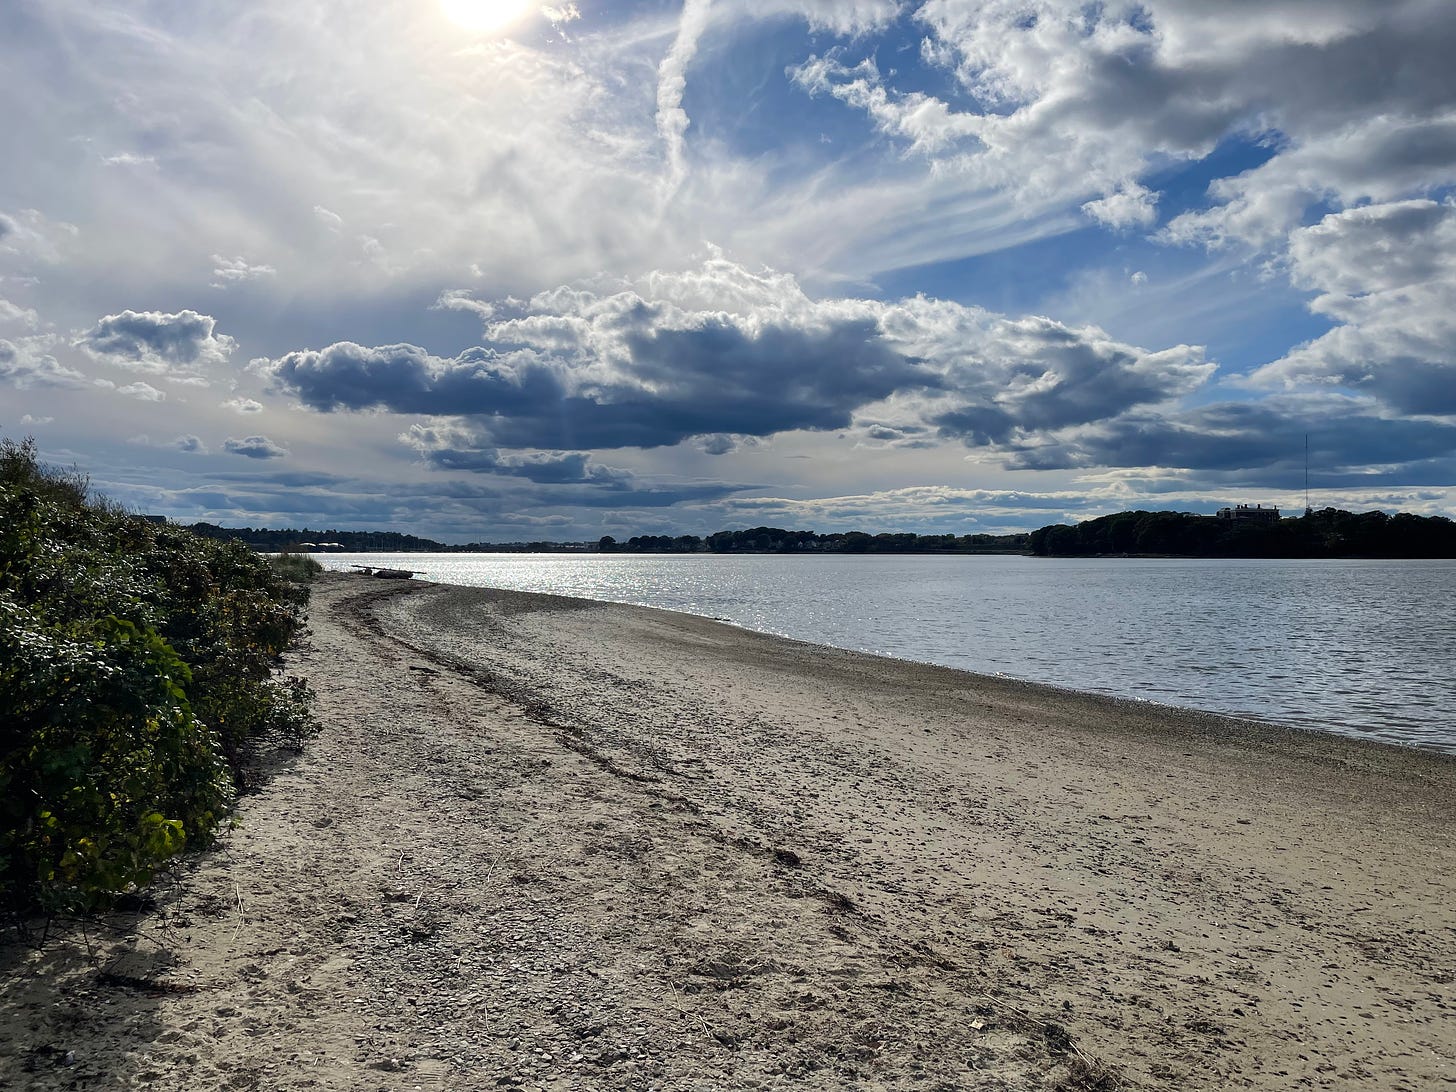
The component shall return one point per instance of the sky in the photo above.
(486, 270)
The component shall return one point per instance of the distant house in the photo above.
(1257, 513)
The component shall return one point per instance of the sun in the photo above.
(484, 16)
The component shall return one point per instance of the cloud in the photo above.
(158, 342)
(1063, 99)
(940, 507)
(129, 159)
(928, 124)
(34, 235)
(460, 299)
(243, 405)
(31, 419)
(331, 220)
(14, 315)
(186, 444)
(1258, 441)
(1006, 377)
(23, 365)
(143, 392)
(623, 370)
(230, 271)
(254, 447)
(672, 119)
(721, 443)
(723, 351)
(1375, 159)
(1387, 275)
(1131, 206)
(458, 446)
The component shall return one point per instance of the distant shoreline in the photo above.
(1241, 532)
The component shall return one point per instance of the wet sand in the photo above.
(550, 843)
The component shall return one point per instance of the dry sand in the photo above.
(549, 843)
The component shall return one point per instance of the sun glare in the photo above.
(484, 16)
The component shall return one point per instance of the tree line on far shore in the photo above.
(776, 540)
(1329, 532)
(753, 540)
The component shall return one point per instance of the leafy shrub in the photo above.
(136, 676)
(300, 568)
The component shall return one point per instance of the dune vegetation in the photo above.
(139, 687)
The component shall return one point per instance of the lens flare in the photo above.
(484, 16)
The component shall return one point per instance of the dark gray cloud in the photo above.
(1264, 437)
(254, 447)
(570, 478)
(1011, 377)
(579, 371)
(407, 379)
(651, 387)
(157, 341)
(453, 447)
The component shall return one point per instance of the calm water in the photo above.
(1357, 647)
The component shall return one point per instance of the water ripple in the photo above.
(1362, 648)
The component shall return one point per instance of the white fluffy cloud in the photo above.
(158, 342)
(1387, 275)
(1063, 97)
(142, 392)
(26, 364)
(1371, 160)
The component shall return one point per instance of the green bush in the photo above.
(136, 678)
(300, 568)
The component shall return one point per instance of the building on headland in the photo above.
(1257, 513)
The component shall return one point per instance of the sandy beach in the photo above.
(549, 843)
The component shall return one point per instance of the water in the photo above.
(1362, 648)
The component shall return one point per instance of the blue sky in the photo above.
(485, 269)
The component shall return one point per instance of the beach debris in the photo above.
(384, 573)
(787, 857)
